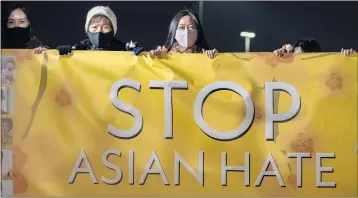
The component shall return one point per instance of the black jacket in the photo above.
(34, 42)
(115, 45)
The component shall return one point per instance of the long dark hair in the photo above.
(308, 45)
(200, 41)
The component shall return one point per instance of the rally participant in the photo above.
(306, 46)
(18, 33)
(101, 28)
(185, 36)
(301, 46)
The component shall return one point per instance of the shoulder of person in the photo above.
(117, 45)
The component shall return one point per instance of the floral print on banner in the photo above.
(266, 66)
(273, 60)
(63, 98)
(63, 95)
(334, 81)
(303, 140)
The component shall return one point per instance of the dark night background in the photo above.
(333, 24)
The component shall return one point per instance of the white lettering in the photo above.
(217, 86)
(271, 117)
(138, 125)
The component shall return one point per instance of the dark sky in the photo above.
(333, 24)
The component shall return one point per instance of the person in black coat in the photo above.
(17, 32)
(101, 28)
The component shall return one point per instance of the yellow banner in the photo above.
(112, 124)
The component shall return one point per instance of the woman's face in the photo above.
(100, 24)
(186, 33)
(18, 18)
(186, 23)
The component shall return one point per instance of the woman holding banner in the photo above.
(306, 46)
(18, 33)
(101, 28)
(185, 36)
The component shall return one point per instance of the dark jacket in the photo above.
(34, 42)
(115, 45)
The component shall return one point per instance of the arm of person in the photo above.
(210, 53)
(38, 46)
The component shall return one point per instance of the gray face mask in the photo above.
(100, 39)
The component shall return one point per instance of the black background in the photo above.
(333, 24)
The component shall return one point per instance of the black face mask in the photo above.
(100, 39)
(17, 37)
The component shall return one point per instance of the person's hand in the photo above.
(288, 47)
(158, 52)
(348, 52)
(283, 50)
(39, 50)
(210, 53)
(64, 50)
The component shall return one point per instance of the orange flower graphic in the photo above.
(63, 98)
(338, 80)
(334, 82)
(302, 144)
(264, 68)
(304, 140)
(273, 60)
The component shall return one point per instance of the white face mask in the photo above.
(186, 38)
